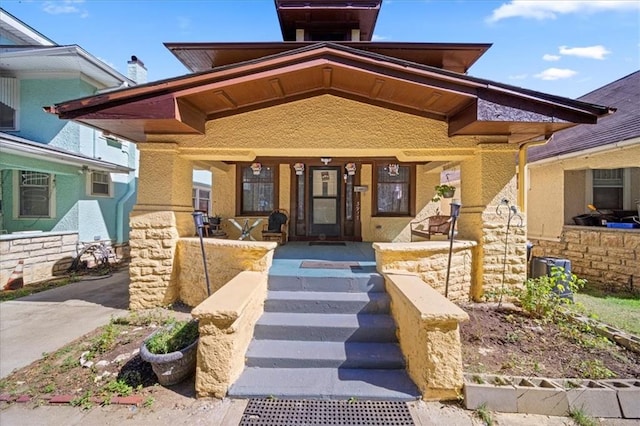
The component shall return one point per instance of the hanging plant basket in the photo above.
(443, 191)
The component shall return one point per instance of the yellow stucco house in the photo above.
(597, 165)
(349, 136)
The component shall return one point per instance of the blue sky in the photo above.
(563, 47)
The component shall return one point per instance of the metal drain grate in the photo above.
(289, 412)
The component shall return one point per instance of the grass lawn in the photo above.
(617, 309)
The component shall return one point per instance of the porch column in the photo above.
(161, 216)
(486, 179)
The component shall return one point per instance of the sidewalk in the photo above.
(228, 412)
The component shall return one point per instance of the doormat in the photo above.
(289, 412)
(327, 243)
(326, 264)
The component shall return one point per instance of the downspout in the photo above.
(522, 162)
(131, 189)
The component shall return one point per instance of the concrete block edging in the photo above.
(553, 397)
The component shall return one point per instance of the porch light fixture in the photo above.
(325, 160)
(257, 168)
(394, 169)
(299, 168)
(351, 168)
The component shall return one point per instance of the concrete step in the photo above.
(326, 327)
(352, 283)
(324, 383)
(297, 354)
(327, 302)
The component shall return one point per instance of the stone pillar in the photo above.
(161, 216)
(486, 179)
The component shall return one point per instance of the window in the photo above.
(100, 184)
(258, 192)
(608, 186)
(35, 194)
(393, 190)
(201, 199)
(9, 102)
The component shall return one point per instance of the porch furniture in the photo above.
(276, 227)
(433, 225)
(245, 229)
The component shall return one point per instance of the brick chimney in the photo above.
(136, 70)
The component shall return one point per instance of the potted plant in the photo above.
(443, 190)
(171, 351)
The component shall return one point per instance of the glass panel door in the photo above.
(325, 201)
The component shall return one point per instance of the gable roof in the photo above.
(624, 96)
(26, 61)
(471, 106)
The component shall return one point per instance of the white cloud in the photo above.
(548, 57)
(550, 9)
(593, 52)
(555, 74)
(378, 38)
(184, 23)
(518, 77)
(64, 7)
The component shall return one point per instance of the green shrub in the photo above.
(541, 296)
(174, 337)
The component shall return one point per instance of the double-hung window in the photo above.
(201, 199)
(34, 190)
(100, 184)
(393, 195)
(258, 193)
(608, 186)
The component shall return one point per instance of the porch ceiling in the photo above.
(470, 106)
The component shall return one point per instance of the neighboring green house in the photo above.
(595, 165)
(62, 183)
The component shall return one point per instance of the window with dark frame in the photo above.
(393, 191)
(35, 194)
(258, 192)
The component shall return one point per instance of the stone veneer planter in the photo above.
(553, 397)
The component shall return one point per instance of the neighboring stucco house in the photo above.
(348, 135)
(599, 165)
(61, 182)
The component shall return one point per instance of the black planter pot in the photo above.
(174, 367)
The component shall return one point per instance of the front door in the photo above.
(325, 201)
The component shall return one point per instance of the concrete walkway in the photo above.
(46, 321)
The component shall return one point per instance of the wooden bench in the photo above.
(433, 225)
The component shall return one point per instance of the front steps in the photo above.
(325, 334)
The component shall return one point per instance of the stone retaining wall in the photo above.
(604, 256)
(428, 260)
(44, 255)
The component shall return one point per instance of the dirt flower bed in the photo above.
(509, 342)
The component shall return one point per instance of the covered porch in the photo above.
(350, 143)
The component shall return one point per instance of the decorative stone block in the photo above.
(497, 393)
(628, 392)
(540, 396)
(591, 397)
